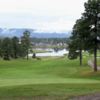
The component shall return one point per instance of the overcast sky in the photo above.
(41, 15)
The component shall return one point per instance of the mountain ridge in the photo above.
(4, 32)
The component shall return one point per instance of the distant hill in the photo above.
(19, 32)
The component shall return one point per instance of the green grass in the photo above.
(98, 61)
(46, 79)
(39, 51)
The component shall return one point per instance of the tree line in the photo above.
(86, 32)
(54, 43)
(49, 40)
(15, 47)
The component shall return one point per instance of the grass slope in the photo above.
(46, 79)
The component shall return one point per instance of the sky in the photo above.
(41, 15)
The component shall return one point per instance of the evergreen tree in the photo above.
(92, 10)
(76, 44)
(15, 47)
(0, 48)
(25, 43)
(6, 48)
(86, 31)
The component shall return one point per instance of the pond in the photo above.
(51, 54)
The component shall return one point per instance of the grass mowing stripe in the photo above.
(48, 90)
(12, 82)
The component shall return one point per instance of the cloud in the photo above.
(59, 25)
(44, 15)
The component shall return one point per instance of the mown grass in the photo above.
(59, 91)
(39, 51)
(46, 79)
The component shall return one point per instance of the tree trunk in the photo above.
(15, 55)
(95, 46)
(95, 57)
(80, 57)
(27, 54)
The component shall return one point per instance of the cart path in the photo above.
(95, 96)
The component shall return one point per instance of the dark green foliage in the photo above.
(73, 54)
(0, 48)
(25, 43)
(73, 48)
(6, 48)
(92, 10)
(15, 47)
(76, 43)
